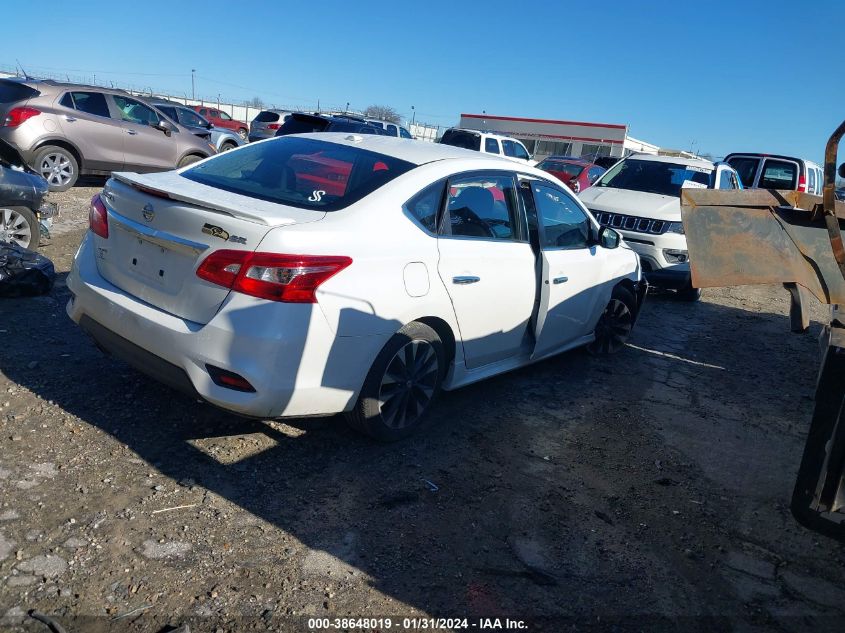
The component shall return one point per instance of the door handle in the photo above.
(464, 280)
(560, 280)
(70, 119)
(132, 132)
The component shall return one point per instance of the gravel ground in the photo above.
(649, 489)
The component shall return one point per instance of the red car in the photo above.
(578, 173)
(221, 119)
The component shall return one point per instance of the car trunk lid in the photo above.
(162, 226)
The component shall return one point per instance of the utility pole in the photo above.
(193, 86)
(413, 115)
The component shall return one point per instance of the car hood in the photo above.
(638, 203)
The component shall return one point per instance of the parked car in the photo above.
(771, 171)
(487, 143)
(300, 123)
(23, 205)
(223, 140)
(223, 120)
(266, 123)
(576, 173)
(392, 129)
(418, 267)
(606, 161)
(640, 197)
(65, 130)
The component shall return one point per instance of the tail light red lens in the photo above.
(273, 126)
(802, 183)
(98, 217)
(286, 278)
(16, 116)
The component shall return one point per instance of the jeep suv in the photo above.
(487, 143)
(640, 196)
(67, 130)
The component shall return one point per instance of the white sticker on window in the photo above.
(316, 195)
(700, 170)
(691, 184)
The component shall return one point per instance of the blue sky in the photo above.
(715, 76)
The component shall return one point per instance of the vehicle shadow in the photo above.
(503, 506)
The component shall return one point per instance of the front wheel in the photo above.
(401, 385)
(189, 160)
(19, 226)
(615, 323)
(242, 133)
(226, 147)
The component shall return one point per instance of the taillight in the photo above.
(802, 183)
(286, 278)
(273, 126)
(16, 116)
(98, 217)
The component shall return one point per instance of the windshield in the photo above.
(300, 172)
(652, 176)
(570, 169)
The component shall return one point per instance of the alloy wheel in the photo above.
(408, 384)
(14, 228)
(242, 134)
(613, 329)
(56, 169)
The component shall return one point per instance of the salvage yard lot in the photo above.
(655, 482)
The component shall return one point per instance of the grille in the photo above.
(630, 222)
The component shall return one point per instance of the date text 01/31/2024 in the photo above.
(414, 624)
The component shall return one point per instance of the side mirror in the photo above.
(842, 170)
(165, 126)
(608, 237)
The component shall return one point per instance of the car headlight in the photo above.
(676, 227)
(674, 256)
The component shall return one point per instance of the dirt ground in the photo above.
(647, 491)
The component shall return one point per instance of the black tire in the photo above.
(189, 160)
(615, 323)
(394, 402)
(20, 226)
(58, 166)
(689, 294)
(226, 147)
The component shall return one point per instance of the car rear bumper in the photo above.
(287, 352)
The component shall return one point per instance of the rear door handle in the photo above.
(70, 119)
(560, 280)
(466, 279)
(132, 132)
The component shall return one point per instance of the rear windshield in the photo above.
(296, 125)
(11, 91)
(267, 117)
(653, 176)
(460, 138)
(779, 174)
(300, 172)
(570, 169)
(746, 167)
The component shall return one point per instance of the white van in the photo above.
(771, 171)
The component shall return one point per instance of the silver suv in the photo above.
(67, 130)
(265, 124)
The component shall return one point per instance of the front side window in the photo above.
(520, 152)
(565, 225)
(481, 207)
(404, 133)
(779, 174)
(746, 168)
(509, 148)
(300, 172)
(135, 111)
(594, 173)
(725, 180)
(90, 102)
(491, 146)
(651, 176)
(425, 206)
(392, 130)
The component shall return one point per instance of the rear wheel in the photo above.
(58, 166)
(227, 146)
(189, 160)
(19, 225)
(615, 324)
(401, 385)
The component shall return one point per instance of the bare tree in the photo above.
(382, 113)
(256, 102)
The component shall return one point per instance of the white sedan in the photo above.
(325, 273)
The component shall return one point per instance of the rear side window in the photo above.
(404, 133)
(300, 172)
(267, 117)
(461, 138)
(811, 174)
(11, 91)
(491, 146)
(425, 206)
(90, 102)
(746, 168)
(779, 174)
(482, 207)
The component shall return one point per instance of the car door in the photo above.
(87, 122)
(487, 266)
(572, 267)
(146, 147)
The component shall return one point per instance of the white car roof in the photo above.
(416, 152)
(677, 160)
